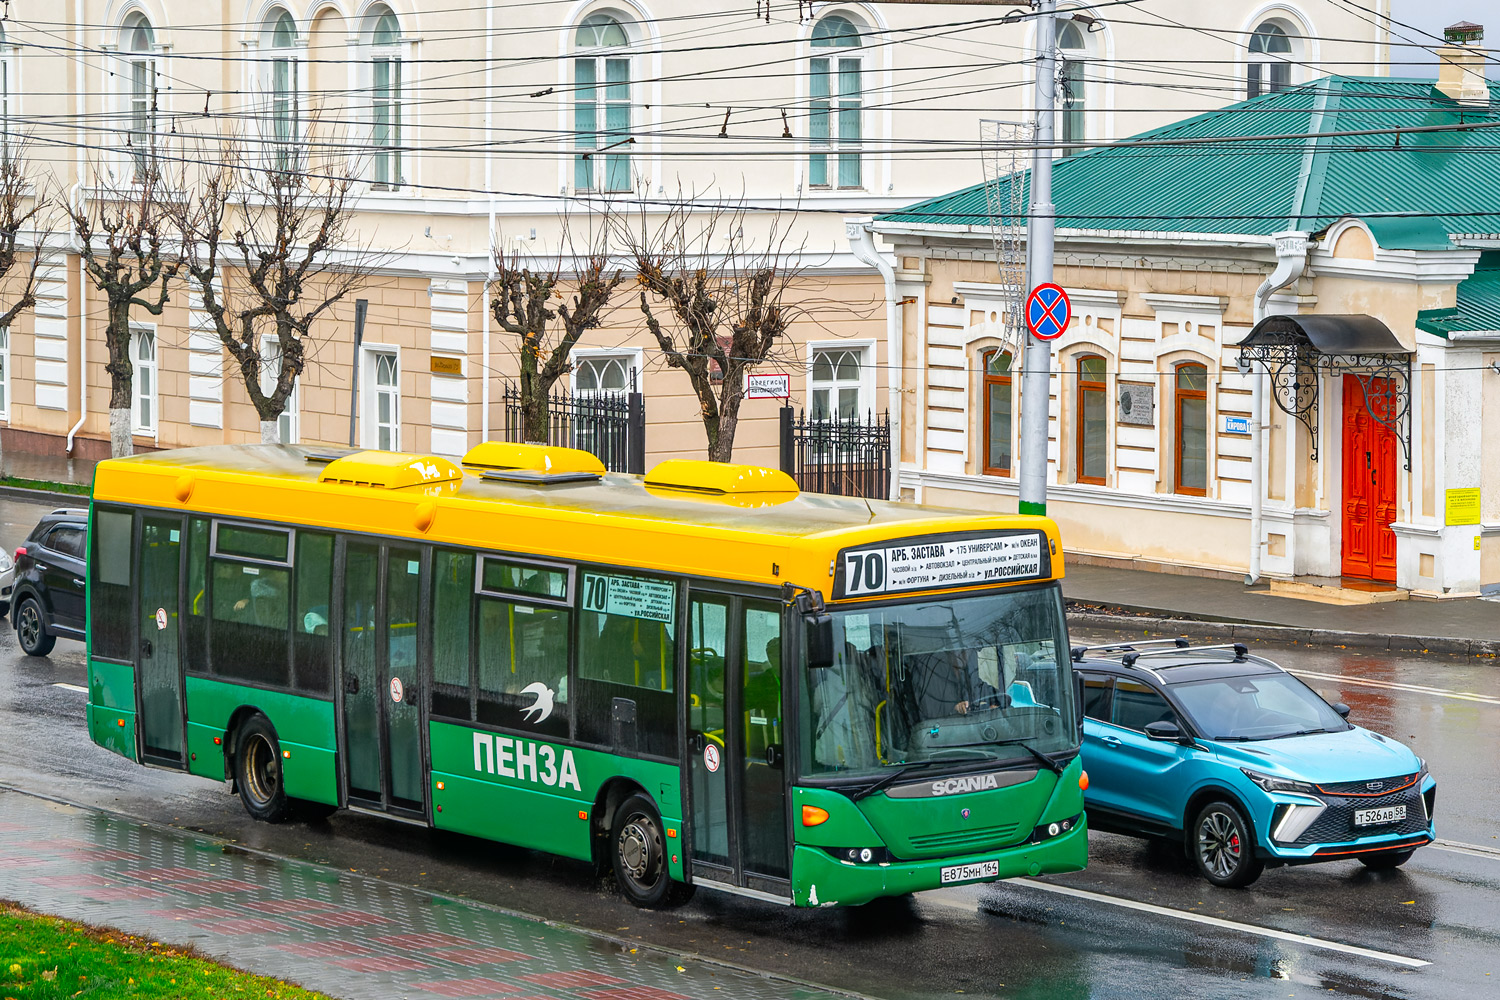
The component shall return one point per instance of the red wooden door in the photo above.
(1369, 488)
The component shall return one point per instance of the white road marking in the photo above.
(1393, 686)
(1472, 850)
(71, 687)
(1196, 918)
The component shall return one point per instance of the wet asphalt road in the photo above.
(1068, 937)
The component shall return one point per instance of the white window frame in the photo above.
(153, 393)
(270, 371)
(631, 357)
(369, 393)
(866, 351)
(1077, 58)
(4, 373)
(7, 80)
(1301, 35)
(836, 145)
(601, 55)
(396, 56)
(136, 106)
(281, 153)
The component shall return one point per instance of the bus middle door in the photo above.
(737, 788)
(382, 732)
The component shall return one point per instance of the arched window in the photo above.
(284, 132)
(139, 44)
(601, 105)
(1190, 413)
(836, 89)
(384, 37)
(1071, 85)
(836, 384)
(1270, 66)
(997, 413)
(1092, 420)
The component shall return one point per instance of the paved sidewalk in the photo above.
(347, 935)
(1458, 625)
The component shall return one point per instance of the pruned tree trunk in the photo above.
(121, 440)
(270, 431)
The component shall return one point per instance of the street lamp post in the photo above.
(1036, 364)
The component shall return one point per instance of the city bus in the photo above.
(696, 677)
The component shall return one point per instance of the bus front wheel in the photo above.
(257, 771)
(638, 850)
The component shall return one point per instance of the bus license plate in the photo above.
(968, 873)
(1378, 817)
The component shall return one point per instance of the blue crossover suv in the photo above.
(1241, 762)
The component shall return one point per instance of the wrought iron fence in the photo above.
(611, 425)
(849, 457)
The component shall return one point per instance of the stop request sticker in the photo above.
(940, 563)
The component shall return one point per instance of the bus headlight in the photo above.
(1056, 828)
(861, 855)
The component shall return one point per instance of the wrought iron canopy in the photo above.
(1296, 351)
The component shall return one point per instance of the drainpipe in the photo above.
(862, 244)
(1291, 261)
(77, 200)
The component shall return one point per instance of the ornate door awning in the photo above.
(1296, 351)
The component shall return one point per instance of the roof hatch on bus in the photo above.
(534, 463)
(389, 470)
(744, 484)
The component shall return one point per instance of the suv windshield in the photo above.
(1262, 707)
(943, 680)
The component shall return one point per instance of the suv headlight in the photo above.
(1272, 783)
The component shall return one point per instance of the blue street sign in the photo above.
(1048, 310)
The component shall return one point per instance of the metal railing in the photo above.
(848, 456)
(610, 425)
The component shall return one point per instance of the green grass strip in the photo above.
(81, 489)
(44, 958)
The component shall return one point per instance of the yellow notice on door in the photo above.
(1463, 507)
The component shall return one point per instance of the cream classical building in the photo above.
(484, 122)
(1345, 278)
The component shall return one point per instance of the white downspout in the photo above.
(1291, 261)
(78, 202)
(489, 190)
(862, 244)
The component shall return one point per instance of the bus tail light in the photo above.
(813, 816)
(1083, 781)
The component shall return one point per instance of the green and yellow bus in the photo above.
(695, 677)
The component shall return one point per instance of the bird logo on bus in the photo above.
(543, 703)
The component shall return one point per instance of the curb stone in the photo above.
(1287, 633)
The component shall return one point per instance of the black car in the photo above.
(48, 598)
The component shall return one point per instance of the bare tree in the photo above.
(523, 305)
(722, 298)
(122, 233)
(21, 209)
(271, 251)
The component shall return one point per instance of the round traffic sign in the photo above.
(1048, 310)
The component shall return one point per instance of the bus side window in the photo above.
(452, 630)
(312, 646)
(627, 649)
(110, 621)
(250, 604)
(523, 649)
(195, 658)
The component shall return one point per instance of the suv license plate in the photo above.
(1378, 817)
(984, 869)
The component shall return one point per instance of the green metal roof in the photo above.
(1257, 171)
(1478, 307)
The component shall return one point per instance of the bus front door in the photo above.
(158, 670)
(737, 792)
(381, 735)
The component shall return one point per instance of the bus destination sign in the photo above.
(940, 563)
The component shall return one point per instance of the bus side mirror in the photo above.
(1078, 697)
(818, 629)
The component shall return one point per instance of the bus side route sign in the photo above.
(941, 563)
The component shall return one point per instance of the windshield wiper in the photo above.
(884, 782)
(1300, 732)
(1051, 764)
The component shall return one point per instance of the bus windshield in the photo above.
(941, 680)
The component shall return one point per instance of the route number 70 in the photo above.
(864, 572)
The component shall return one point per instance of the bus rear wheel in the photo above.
(257, 771)
(638, 850)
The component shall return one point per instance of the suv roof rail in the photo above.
(1241, 652)
(70, 510)
(1078, 651)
